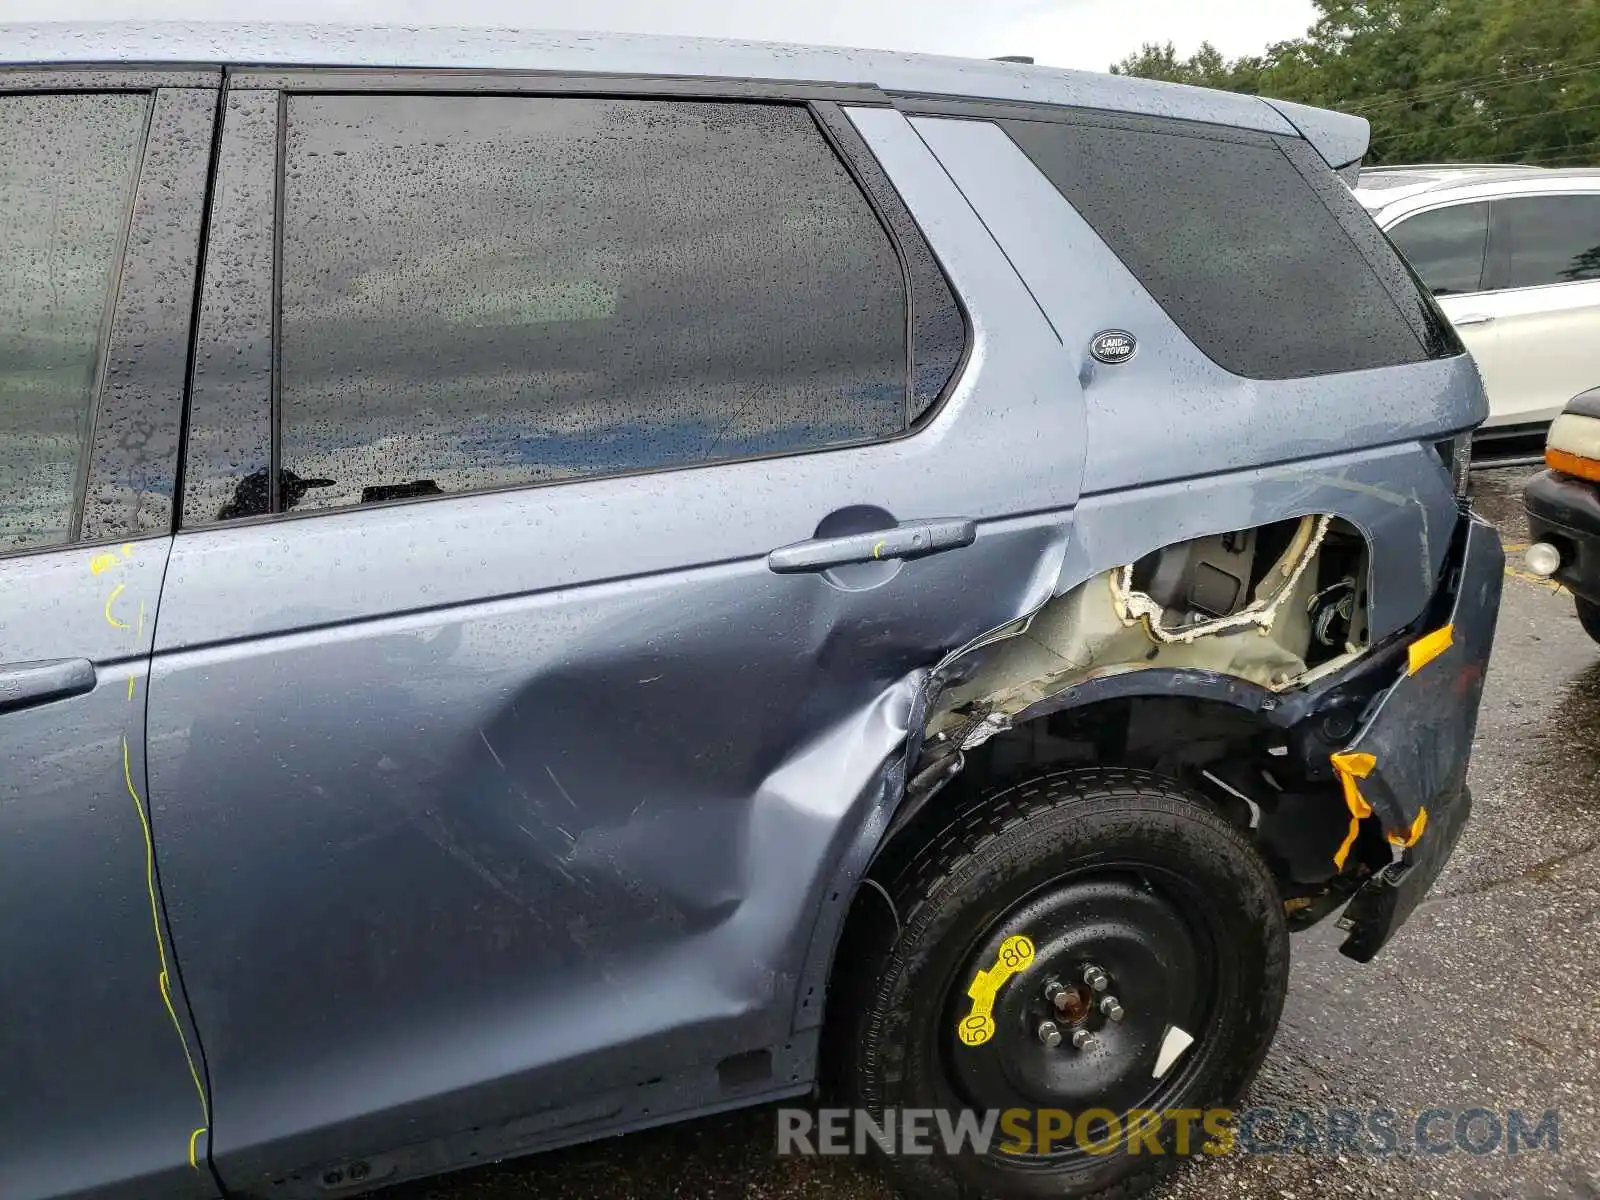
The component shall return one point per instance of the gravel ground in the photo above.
(1485, 999)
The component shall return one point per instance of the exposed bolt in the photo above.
(1081, 1038)
(1095, 978)
(1049, 1034)
(1112, 1008)
(1054, 990)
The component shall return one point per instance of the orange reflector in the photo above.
(1409, 838)
(1572, 464)
(1428, 647)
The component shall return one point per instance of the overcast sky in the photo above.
(1068, 33)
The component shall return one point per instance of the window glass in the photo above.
(1232, 241)
(1446, 246)
(490, 291)
(938, 330)
(66, 173)
(1551, 239)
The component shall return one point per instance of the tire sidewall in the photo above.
(1074, 828)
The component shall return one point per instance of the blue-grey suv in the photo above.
(551, 584)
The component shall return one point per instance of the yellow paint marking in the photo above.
(1513, 547)
(1528, 577)
(1428, 647)
(161, 947)
(110, 600)
(139, 633)
(130, 687)
(877, 550)
(102, 562)
(1409, 838)
(127, 549)
(977, 1027)
(1351, 767)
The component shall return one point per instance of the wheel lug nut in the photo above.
(1049, 1034)
(1054, 990)
(1081, 1038)
(1095, 978)
(1112, 1008)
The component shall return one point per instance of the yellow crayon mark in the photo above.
(877, 550)
(161, 946)
(102, 562)
(127, 549)
(977, 1027)
(110, 600)
(130, 687)
(139, 633)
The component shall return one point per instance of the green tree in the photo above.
(1440, 80)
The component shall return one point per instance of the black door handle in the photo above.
(22, 684)
(914, 539)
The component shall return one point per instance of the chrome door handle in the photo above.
(29, 683)
(914, 539)
(1474, 319)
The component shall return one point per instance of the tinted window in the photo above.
(66, 173)
(487, 291)
(1446, 246)
(1551, 239)
(1232, 240)
(228, 444)
(938, 330)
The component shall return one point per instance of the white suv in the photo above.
(1513, 255)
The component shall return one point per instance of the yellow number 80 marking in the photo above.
(1015, 955)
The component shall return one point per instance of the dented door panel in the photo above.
(478, 807)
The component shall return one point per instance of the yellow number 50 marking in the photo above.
(977, 1027)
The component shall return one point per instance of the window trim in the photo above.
(160, 158)
(597, 85)
(134, 77)
(1486, 267)
(814, 98)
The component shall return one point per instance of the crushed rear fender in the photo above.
(1407, 765)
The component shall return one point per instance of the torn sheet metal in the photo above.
(1281, 582)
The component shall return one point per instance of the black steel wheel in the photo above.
(1071, 950)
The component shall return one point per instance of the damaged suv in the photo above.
(553, 584)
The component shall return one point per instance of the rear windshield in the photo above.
(1248, 241)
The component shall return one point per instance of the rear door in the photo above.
(1448, 247)
(102, 182)
(1545, 267)
(577, 486)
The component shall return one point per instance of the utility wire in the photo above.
(1474, 86)
(1488, 122)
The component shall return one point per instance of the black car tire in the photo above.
(1588, 616)
(1067, 845)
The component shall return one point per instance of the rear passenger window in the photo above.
(488, 291)
(67, 165)
(1550, 239)
(1446, 246)
(1233, 241)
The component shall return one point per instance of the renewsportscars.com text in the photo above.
(1183, 1131)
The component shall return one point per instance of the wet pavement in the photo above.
(1486, 999)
